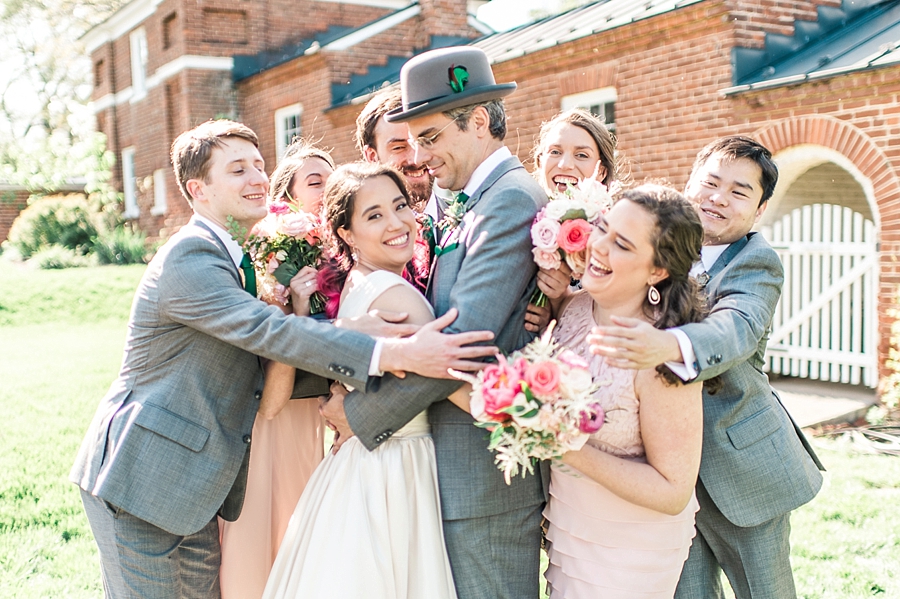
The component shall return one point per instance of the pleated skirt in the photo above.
(604, 547)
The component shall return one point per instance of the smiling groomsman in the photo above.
(484, 267)
(388, 143)
(756, 465)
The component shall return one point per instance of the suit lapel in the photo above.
(222, 247)
(504, 167)
(728, 255)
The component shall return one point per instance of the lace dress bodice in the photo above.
(620, 434)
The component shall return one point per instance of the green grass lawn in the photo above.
(61, 335)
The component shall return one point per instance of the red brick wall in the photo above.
(445, 17)
(289, 21)
(668, 104)
(857, 115)
(12, 202)
(752, 19)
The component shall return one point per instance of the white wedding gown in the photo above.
(368, 524)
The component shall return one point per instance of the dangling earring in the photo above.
(353, 254)
(653, 295)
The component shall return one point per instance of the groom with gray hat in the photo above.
(484, 268)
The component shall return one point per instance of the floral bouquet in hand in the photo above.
(562, 228)
(282, 243)
(537, 404)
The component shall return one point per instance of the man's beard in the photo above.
(419, 191)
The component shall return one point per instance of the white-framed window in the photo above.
(139, 56)
(159, 192)
(287, 127)
(599, 102)
(129, 184)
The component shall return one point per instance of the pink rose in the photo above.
(574, 234)
(546, 260)
(544, 233)
(543, 378)
(500, 384)
(297, 224)
(279, 208)
(577, 261)
(272, 263)
(591, 419)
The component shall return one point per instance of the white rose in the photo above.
(556, 209)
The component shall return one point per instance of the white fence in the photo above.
(826, 324)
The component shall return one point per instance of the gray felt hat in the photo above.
(443, 79)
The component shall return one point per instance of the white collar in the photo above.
(710, 253)
(480, 174)
(233, 247)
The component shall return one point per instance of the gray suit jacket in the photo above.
(756, 462)
(489, 278)
(169, 442)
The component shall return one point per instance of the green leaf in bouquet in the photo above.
(512, 410)
(531, 413)
(528, 394)
(237, 232)
(496, 435)
(285, 272)
(573, 214)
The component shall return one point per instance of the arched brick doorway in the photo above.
(860, 184)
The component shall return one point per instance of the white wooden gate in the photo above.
(826, 324)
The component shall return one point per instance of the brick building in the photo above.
(161, 67)
(817, 81)
(13, 200)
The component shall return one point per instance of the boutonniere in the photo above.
(453, 215)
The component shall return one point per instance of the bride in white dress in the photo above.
(368, 524)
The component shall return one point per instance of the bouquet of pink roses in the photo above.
(282, 243)
(562, 228)
(537, 403)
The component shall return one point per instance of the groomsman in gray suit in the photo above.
(169, 444)
(388, 143)
(484, 268)
(756, 466)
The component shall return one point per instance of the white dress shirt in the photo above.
(685, 369)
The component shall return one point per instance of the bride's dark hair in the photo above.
(677, 239)
(338, 202)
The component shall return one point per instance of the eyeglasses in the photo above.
(427, 142)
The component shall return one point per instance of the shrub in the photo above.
(53, 257)
(120, 246)
(57, 220)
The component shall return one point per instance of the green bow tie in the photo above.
(249, 275)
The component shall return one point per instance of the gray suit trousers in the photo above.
(756, 559)
(496, 557)
(138, 559)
